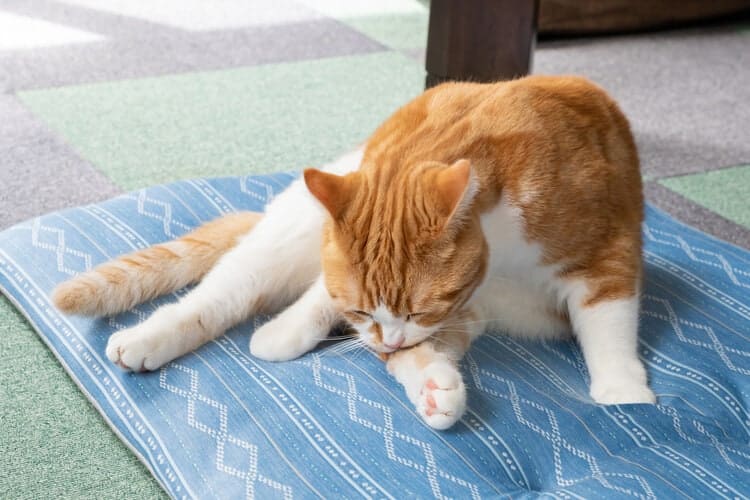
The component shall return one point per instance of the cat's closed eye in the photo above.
(411, 316)
(357, 316)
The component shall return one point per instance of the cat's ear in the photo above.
(333, 191)
(456, 187)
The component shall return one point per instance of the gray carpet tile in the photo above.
(685, 92)
(696, 215)
(288, 42)
(203, 15)
(38, 171)
(168, 53)
(96, 21)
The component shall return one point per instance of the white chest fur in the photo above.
(518, 294)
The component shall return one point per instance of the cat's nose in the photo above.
(396, 344)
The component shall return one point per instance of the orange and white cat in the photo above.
(514, 207)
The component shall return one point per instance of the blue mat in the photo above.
(221, 424)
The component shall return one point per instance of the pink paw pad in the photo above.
(442, 396)
(432, 406)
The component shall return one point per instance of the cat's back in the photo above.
(555, 107)
(459, 119)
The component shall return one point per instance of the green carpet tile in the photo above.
(229, 122)
(724, 191)
(54, 443)
(397, 31)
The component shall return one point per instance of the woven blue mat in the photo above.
(220, 424)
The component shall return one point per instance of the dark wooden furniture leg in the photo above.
(480, 40)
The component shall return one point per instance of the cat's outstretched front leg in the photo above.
(270, 267)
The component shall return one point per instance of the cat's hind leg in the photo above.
(607, 331)
(128, 280)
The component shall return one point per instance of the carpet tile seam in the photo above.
(720, 168)
(88, 397)
(197, 72)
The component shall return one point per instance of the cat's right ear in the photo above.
(457, 187)
(333, 191)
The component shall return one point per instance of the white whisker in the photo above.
(352, 343)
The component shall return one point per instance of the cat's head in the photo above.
(402, 250)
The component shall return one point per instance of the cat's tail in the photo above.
(120, 284)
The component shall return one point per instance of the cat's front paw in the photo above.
(283, 338)
(139, 349)
(151, 344)
(442, 399)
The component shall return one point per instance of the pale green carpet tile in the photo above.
(230, 122)
(53, 444)
(397, 31)
(725, 191)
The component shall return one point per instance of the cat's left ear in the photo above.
(333, 191)
(456, 187)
